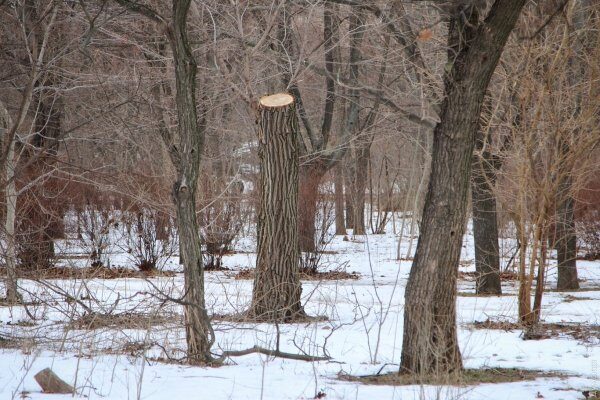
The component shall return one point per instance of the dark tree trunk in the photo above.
(199, 334)
(566, 240)
(566, 245)
(485, 223)
(349, 189)
(430, 344)
(310, 178)
(185, 150)
(338, 182)
(360, 187)
(277, 289)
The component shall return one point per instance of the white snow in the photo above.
(363, 335)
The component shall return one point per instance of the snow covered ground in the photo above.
(363, 335)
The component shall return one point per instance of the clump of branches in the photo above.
(311, 261)
(150, 238)
(221, 222)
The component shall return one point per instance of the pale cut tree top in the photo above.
(276, 100)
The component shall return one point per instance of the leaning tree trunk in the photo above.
(277, 289)
(485, 224)
(430, 344)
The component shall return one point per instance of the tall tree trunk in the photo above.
(185, 149)
(430, 344)
(566, 245)
(338, 184)
(199, 333)
(10, 195)
(277, 289)
(485, 223)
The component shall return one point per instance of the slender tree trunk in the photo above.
(185, 149)
(199, 334)
(417, 209)
(485, 224)
(277, 289)
(349, 190)
(10, 194)
(524, 294)
(430, 344)
(360, 187)
(338, 183)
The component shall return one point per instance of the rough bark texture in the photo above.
(185, 149)
(430, 343)
(199, 334)
(485, 223)
(277, 289)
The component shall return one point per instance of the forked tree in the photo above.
(475, 43)
(277, 289)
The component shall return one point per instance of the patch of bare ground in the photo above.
(211, 268)
(581, 289)
(504, 276)
(300, 318)
(473, 294)
(10, 343)
(87, 273)
(4, 302)
(307, 275)
(581, 332)
(570, 298)
(125, 320)
(467, 377)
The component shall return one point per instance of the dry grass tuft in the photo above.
(87, 273)
(306, 275)
(466, 378)
(581, 332)
(126, 320)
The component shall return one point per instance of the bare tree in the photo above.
(185, 149)
(475, 44)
